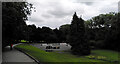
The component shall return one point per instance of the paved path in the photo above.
(63, 46)
(16, 57)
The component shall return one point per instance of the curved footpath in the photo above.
(15, 57)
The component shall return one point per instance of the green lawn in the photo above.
(23, 41)
(42, 56)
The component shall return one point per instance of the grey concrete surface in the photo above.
(15, 56)
(63, 46)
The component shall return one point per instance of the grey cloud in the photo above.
(119, 6)
(109, 8)
(46, 16)
(58, 10)
(59, 13)
(79, 1)
(48, 12)
(36, 20)
(87, 3)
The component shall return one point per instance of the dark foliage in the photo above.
(14, 15)
(77, 37)
(103, 31)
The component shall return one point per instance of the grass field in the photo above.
(42, 56)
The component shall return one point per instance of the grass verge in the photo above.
(42, 56)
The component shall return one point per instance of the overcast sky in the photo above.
(54, 13)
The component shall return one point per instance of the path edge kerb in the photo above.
(28, 55)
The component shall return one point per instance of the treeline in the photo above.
(103, 31)
(44, 35)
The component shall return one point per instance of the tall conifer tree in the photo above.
(77, 37)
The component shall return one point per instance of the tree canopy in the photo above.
(77, 37)
(14, 15)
